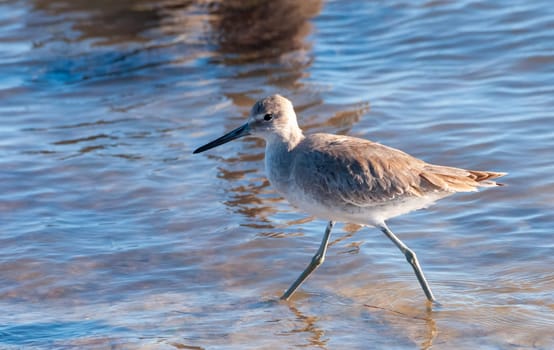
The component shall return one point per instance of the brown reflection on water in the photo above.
(246, 201)
(253, 29)
(419, 326)
(253, 32)
(113, 21)
(262, 29)
(309, 325)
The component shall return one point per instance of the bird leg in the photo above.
(317, 260)
(412, 259)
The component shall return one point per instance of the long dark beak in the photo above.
(235, 134)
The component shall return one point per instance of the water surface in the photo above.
(114, 235)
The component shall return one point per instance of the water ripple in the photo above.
(114, 235)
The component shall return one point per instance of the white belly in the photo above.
(371, 214)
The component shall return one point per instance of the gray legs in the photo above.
(317, 260)
(412, 259)
(319, 257)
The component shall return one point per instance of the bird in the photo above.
(341, 178)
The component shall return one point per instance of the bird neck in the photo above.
(286, 139)
(279, 155)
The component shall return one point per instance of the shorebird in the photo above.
(347, 179)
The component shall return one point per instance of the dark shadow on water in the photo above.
(254, 30)
(111, 21)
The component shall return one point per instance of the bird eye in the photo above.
(268, 117)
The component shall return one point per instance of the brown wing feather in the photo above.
(376, 173)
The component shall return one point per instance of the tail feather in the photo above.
(459, 180)
(484, 177)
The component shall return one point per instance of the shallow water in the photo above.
(114, 235)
